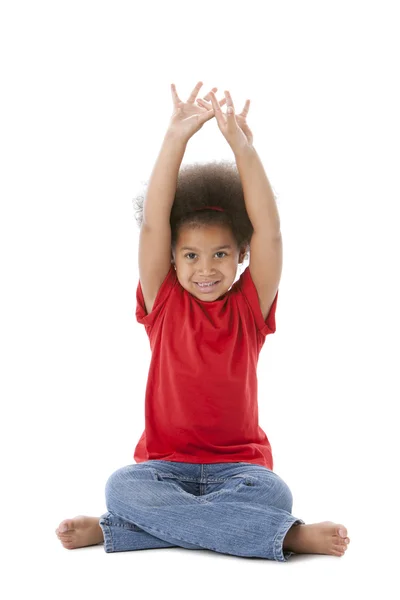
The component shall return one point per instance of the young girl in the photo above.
(204, 475)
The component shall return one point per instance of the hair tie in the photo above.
(211, 207)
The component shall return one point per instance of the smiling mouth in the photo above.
(207, 285)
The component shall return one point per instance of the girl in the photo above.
(203, 477)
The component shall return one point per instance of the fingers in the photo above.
(217, 109)
(194, 93)
(175, 98)
(210, 113)
(230, 109)
(207, 104)
(229, 103)
(245, 110)
(208, 95)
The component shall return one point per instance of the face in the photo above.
(201, 256)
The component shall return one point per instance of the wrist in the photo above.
(176, 137)
(243, 150)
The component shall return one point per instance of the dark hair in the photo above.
(211, 184)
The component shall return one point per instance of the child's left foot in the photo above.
(318, 538)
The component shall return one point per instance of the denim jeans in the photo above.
(235, 508)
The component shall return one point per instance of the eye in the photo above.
(192, 253)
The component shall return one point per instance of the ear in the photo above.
(242, 253)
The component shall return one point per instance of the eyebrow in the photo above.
(216, 248)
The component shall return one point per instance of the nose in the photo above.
(205, 267)
(206, 271)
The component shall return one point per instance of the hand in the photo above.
(188, 118)
(233, 127)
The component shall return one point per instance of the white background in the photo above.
(85, 103)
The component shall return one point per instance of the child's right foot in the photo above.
(80, 531)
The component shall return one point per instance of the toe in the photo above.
(69, 546)
(339, 549)
(342, 531)
(65, 526)
(338, 546)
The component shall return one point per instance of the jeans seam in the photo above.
(207, 497)
(151, 528)
(196, 479)
(279, 553)
(108, 539)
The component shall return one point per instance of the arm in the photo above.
(185, 121)
(163, 180)
(155, 232)
(258, 195)
(266, 243)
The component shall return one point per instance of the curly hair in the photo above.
(210, 184)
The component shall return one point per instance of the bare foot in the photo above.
(80, 531)
(318, 538)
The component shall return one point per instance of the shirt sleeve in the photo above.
(162, 295)
(249, 290)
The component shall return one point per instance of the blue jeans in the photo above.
(235, 508)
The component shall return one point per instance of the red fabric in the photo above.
(201, 395)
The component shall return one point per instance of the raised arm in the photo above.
(155, 233)
(266, 243)
(162, 184)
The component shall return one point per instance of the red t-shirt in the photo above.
(201, 394)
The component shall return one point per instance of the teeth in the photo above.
(206, 284)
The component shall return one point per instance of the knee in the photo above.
(115, 482)
(283, 496)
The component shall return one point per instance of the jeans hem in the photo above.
(279, 553)
(106, 529)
